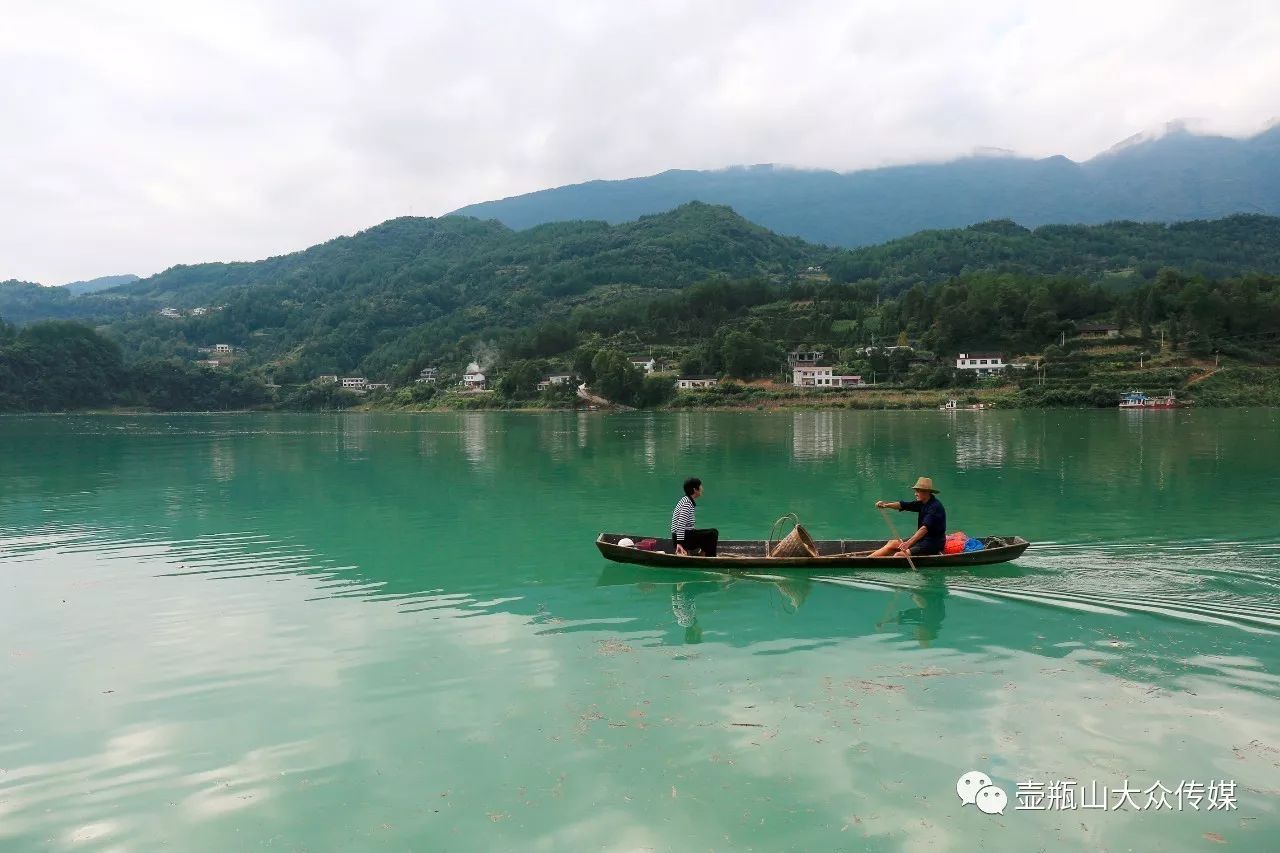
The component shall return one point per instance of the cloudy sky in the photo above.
(138, 135)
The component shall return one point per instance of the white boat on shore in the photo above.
(1139, 400)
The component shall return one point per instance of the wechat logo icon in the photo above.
(975, 789)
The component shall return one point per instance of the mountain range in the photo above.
(1168, 176)
(105, 282)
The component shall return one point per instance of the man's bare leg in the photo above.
(888, 549)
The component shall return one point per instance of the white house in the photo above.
(171, 313)
(984, 363)
(553, 379)
(328, 378)
(222, 349)
(811, 376)
(647, 363)
(817, 376)
(428, 375)
(473, 379)
(696, 382)
(355, 383)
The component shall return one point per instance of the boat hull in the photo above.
(744, 555)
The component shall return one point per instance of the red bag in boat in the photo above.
(955, 543)
(647, 544)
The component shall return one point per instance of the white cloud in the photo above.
(142, 134)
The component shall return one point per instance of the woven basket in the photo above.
(797, 543)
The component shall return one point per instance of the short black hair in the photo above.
(692, 485)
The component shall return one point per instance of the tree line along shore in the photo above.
(63, 366)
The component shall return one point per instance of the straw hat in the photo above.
(924, 484)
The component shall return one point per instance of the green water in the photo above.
(393, 632)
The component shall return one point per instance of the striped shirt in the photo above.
(682, 518)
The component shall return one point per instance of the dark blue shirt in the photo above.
(932, 517)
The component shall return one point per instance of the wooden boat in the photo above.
(750, 554)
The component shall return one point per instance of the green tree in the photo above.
(1039, 321)
(746, 354)
(58, 365)
(616, 379)
(520, 381)
(317, 397)
(583, 359)
(655, 390)
(175, 385)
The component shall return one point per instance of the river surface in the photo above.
(393, 632)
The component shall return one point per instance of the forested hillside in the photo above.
(385, 297)
(1117, 254)
(54, 366)
(713, 291)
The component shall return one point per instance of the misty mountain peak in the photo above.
(1167, 173)
(1176, 127)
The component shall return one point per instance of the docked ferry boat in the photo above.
(1138, 400)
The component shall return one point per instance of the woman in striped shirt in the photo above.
(683, 535)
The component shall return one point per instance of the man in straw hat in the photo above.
(931, 524)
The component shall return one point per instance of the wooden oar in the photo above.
(894, 531)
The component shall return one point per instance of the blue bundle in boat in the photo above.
(974, 545)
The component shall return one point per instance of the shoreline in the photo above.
(773, 406)
(1228, 388)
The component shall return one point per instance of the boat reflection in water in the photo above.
(924, 619)
(916, 609)
(684, 607)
